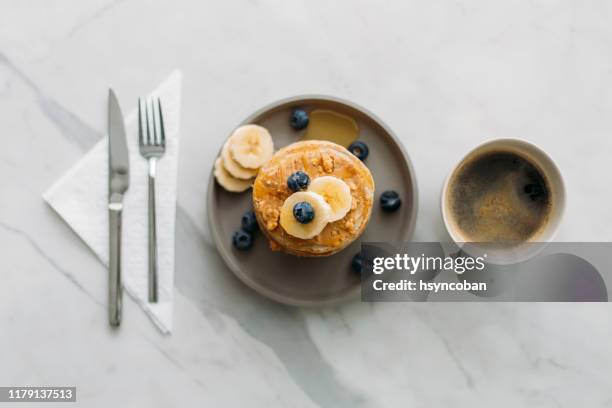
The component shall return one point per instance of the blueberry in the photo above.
(299, 119)
(390, 201)
(303, 212)
(359, 149)
(298, 181)
(248, 222)
(357, 263)
(242, 240)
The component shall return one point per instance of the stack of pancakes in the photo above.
(315, 158)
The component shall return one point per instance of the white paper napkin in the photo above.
(80, 197)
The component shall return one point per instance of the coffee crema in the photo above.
(499, 197)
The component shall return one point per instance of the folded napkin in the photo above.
(80, 197)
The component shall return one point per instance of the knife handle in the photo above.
(114, 267)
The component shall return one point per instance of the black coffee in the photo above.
(499, 197)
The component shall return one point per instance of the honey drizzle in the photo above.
(331, 126)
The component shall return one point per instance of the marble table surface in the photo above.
(445, 75)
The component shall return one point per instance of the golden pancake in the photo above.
(316, 158)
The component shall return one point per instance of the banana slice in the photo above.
(251, 146)
(233, 167)
(229, 182)
(314, 227)
(336, 193)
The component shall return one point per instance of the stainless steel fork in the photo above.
(152, 137)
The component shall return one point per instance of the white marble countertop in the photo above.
(444, 75)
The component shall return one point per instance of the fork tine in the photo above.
(141, 129)
(149, 139)
(162, 130)
(156, 135)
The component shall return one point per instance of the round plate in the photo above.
(315, 281)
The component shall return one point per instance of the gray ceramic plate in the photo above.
(315, 281)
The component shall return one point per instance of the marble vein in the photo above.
(94, 16)
(282, 328)
(70, 126)
(174, 362)
(52, 262)
(469, 379)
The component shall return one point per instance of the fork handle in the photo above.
(152, 234)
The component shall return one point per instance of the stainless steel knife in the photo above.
(118, 183)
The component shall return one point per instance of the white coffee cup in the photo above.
(519, 251)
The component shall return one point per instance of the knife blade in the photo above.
(118, 183)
